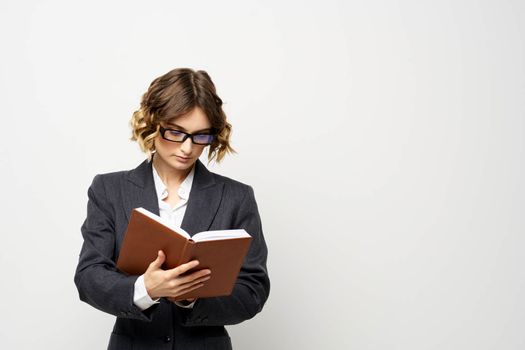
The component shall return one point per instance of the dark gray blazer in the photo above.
(215, 202)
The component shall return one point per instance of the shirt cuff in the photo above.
(186, 306)
(141, 297)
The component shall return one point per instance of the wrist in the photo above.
(149, 290)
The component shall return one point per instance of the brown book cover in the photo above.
(222, 251)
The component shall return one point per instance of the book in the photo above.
(221, 251)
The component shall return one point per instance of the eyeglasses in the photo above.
(181, 136)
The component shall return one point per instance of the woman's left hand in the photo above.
(185, 301)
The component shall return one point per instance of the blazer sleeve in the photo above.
(252, 287)
(97, 279)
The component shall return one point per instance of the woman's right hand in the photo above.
(169, 283)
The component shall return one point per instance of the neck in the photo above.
(170, 176)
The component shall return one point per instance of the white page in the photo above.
(219, 234)
(157, 218)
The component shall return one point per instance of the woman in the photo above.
(180, 115)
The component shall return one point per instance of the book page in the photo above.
(219, 234)
(160, 220)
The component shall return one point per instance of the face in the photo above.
(181, 156)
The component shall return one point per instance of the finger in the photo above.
(193, 276)
(181, 269)
(187, 290)
(190, 300)
(157, 263)
(193, 282)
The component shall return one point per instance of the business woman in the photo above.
(180, 115)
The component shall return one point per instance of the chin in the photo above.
(175, 163)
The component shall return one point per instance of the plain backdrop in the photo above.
(384, 141)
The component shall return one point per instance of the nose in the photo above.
(186, 146)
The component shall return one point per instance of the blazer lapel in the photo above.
(205, 196)
(139, 190)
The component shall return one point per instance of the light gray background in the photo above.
(384, 141)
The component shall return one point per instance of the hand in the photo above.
(169, 283)
(183, 301)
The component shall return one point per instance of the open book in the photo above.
(221, 251)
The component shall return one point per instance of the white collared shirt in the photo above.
(173, 216)
(176, 214)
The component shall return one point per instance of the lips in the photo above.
(183, 159)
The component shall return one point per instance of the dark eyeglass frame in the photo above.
(186, 135)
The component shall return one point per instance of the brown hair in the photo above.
(176, 93)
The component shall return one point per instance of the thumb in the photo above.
(157, 263)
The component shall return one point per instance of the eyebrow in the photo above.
(183, 129)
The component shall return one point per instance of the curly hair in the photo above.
(176, 93)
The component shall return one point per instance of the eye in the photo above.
(174, 135)
(203, 138)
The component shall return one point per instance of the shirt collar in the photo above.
(184, 189)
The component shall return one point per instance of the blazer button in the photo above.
(167, 339)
